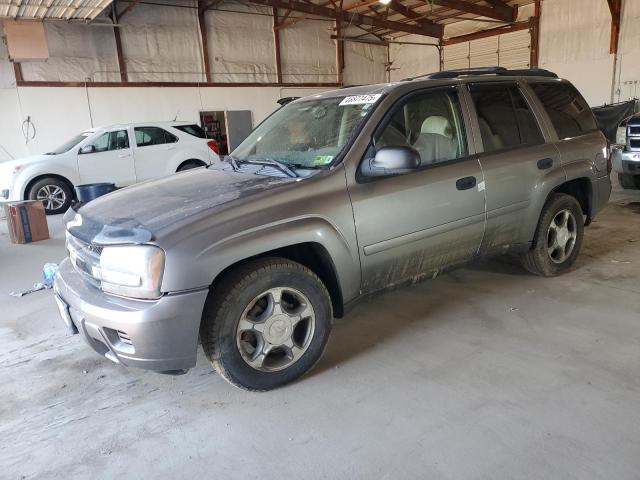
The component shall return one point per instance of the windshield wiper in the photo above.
(232, 161)
(283, 167)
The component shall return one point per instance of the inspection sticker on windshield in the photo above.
(360, 99)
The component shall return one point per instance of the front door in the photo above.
(412, 225)
(110, 160)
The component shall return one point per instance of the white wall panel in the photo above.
(628, 78)
(162, 43)
(76, 53)
(574, 43)
(413, 60)
(364, 63)
(236, 56)
(456, 56)
(514, 49)
(308, 53)
(483, 52)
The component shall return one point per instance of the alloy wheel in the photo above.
(561, 236)
(275, 329)
(52, 196)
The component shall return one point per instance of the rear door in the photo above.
(414, 224)
(111, 160)
(155, 149)
(515, 158)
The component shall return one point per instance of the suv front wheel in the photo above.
(558, 237)
(267, 324)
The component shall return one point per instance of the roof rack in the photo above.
(523, 72)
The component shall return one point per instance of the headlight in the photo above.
(621, 136)
(131, 270)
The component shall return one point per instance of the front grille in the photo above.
(84, 257)
(634, 130)
(634, 143)
(124, 338)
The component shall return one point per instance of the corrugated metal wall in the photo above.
(510, 50)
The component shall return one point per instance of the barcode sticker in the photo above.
(360, 99)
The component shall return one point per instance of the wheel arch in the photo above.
(191, 160)
(312, 255)
(37, 178)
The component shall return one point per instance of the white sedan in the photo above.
(119, 154)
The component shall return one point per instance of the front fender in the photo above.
(31, 172)
(215, 258)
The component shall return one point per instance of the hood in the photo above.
(11, 164)
(165, 203)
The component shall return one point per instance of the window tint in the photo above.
(430, 123)
(146, 136)
(115, 140)
(569, 113)
(504, 117)
(194, 130)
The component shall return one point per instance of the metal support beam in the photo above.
(128, 8)
(17, 70)
(339, 54)
(396, 6)
(352, 18)
(513, 27)
(615, 7)
(276, 41)
(122, 66)
(206, 64)
(534, 30)
(504, 13)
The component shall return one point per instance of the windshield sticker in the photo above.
(360, 99)
(322, 159)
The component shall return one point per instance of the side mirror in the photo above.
(391, 161)
(87, 149)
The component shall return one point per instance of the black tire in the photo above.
(189, 164)
(52, 206)
(228, 301)
(629, 181)
(538, 260)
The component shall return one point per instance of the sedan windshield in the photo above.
(65, 147)
(309, 133)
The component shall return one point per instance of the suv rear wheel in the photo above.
(267, 324)
(558, 237)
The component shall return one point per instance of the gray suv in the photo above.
(331, 199)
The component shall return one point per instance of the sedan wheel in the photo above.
(52, 196)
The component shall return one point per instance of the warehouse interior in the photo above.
(485, 371)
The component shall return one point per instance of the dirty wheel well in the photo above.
(191, 160)
(47, 175)
(580, 189)
(313, 256)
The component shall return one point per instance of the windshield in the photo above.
(65, 147)
(308, 133)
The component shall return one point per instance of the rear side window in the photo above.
(505, 119)
(194, 130)
(568, 111)
(146, 136)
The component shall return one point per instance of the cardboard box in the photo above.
(26, 221)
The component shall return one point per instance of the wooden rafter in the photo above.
(353, 18)
(396, 6)
(512, 27)
(615, 7)
(504, 13)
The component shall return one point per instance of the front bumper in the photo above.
(627, 162)
(160, 335)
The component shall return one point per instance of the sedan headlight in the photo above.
(131, 270)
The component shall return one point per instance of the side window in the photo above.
(569, 113)
(118, 140)
(101, 143)
(431, 123)
(504, 117)
(146, 136)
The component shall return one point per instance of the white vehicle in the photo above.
(119, 154)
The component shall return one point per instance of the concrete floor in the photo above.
(486, 372)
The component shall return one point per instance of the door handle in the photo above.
(465, 183)
(545, 163)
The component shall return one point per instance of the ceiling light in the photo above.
(385, 2)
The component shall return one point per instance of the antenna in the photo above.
(176, 117)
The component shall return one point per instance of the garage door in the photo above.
(510, 50)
